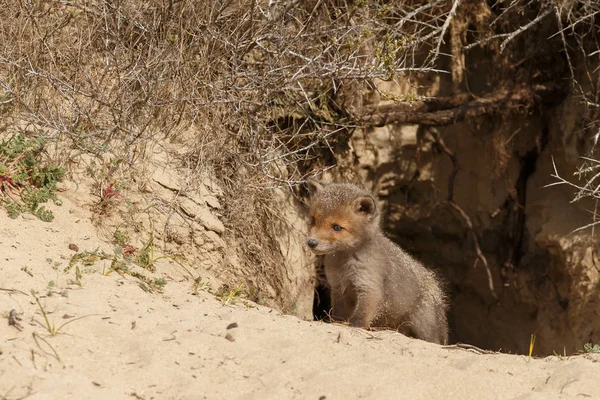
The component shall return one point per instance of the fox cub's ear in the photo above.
(314, 186)
(365, 205)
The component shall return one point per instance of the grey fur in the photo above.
(373, 281)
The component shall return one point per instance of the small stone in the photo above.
(232, 325)
(73, 246)
(229, 337)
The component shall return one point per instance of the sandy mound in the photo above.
(124, 342)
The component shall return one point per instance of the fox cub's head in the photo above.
(341, 217)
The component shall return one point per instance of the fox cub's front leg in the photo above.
(341, 310)
(366, 309)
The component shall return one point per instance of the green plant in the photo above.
(85, 258)
(145, 257)
(25, 181)
(54, 354)
(229, 296)
(107, 186)
(51, 288)
(50, 326)
(150, 285)
(26, 270)
(121, 238)
(121, 261)
(589, 348)
(199, 285)
(561, 356)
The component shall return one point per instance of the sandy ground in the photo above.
(128, 343)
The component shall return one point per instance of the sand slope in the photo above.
(137, 345)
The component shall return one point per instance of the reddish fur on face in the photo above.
(323, 230)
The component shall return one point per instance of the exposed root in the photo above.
(468, 347)
(464, 216)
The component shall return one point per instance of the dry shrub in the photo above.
(135, 71)
(272, 77)
(258, 83)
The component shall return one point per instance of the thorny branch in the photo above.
(512, 35)
(590, 188)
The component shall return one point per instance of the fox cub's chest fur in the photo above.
(347, 273)
(373, 281)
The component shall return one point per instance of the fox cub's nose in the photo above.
(312, 243)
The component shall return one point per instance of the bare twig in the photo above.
(594, 217)
(564, 41)
(523, 28)
(508, 37)
(13, 291)
(591, 188)
(445, 27)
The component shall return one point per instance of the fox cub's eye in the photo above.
(336, 227)
(313, 220)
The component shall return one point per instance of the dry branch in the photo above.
(449, 110)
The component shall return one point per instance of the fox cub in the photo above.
(373, 281)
